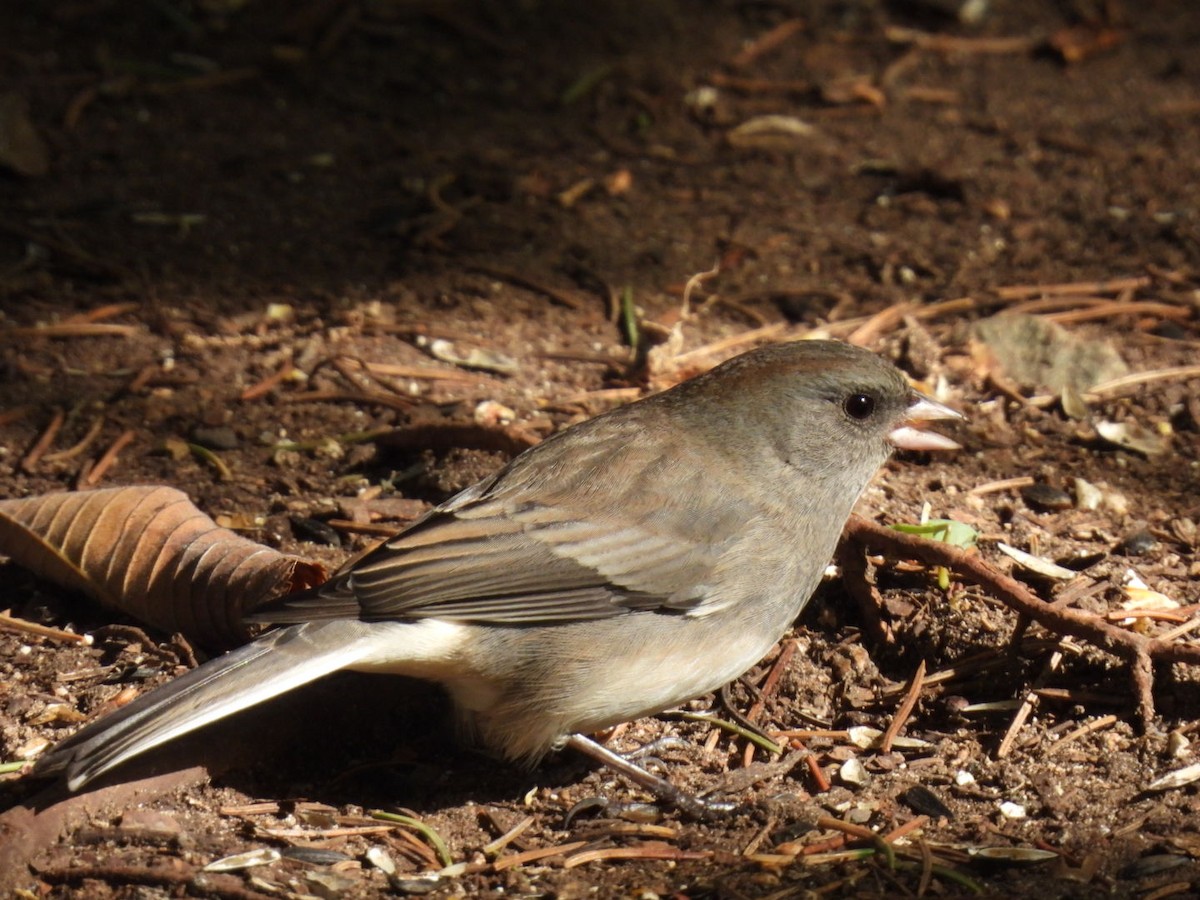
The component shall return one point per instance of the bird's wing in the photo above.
(543, 543)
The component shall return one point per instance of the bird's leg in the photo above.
(686, 803)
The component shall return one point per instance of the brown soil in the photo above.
(502, 175)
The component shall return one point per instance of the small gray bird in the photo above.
(621, 567)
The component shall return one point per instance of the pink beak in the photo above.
(909, 435)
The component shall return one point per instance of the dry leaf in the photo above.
(1034, 352)
(149, 552)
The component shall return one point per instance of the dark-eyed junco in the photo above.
(624, 565)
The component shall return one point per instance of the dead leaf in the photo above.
(149, 552)
(1035, 353)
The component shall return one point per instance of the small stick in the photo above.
(1004, 484)
(1112, 286)
(508, 837)
(766, 42)
(1027, 706)
(109, 458)
(86, 441)
(818, 774)
(102, 312)
(944, 43)
(69, 330)
(767, 332)
(1138, 650)
(884, 320)
(528, 856)
(29, 463)
(11, 623)
(268, 384)
(1094, 725)
(772, 680)
(904, 710)
(1116, 384)
(906, 829)
(1121, 308)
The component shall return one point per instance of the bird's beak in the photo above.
(910, 436)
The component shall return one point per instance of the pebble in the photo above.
(1046, 498)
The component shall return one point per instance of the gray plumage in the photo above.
(622, 566)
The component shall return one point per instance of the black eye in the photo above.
(859, 406)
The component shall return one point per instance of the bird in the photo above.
(626, 564)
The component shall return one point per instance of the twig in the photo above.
(269, 383)
(945, 43)
(862, 832)
(767, 332)
(818, 775)
(1135, 378)
(1028, 704)
(71, 452)
(766, 42)
(102, 312)
(508, 837)
(904, 710)
(109, 458)
(646, 850)
(1113, 286)
(11, 623)
(1082, 730)
(1136, 649)
(38, 450)
(1121, 308)
(1004, 484)
(528, 856)
(884, 320)
(70, 330)
(786, 652)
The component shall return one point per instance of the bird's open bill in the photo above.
(911, 436)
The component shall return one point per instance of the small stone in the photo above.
(1177, 744)
(853, 772)
(149, 826)
(921, 800)
(1137, 543)
(1087, 495)
(215, 437)
(1046, 498)
(1011, 810)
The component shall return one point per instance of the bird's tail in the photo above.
(275, 663)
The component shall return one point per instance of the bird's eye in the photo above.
(859, 406)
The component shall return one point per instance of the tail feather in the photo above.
(275, 663)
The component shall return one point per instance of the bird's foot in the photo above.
(704, 808)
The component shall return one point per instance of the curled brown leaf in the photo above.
(149, 552)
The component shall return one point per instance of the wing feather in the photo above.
(555, 537)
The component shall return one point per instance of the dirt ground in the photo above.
(213, 213)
